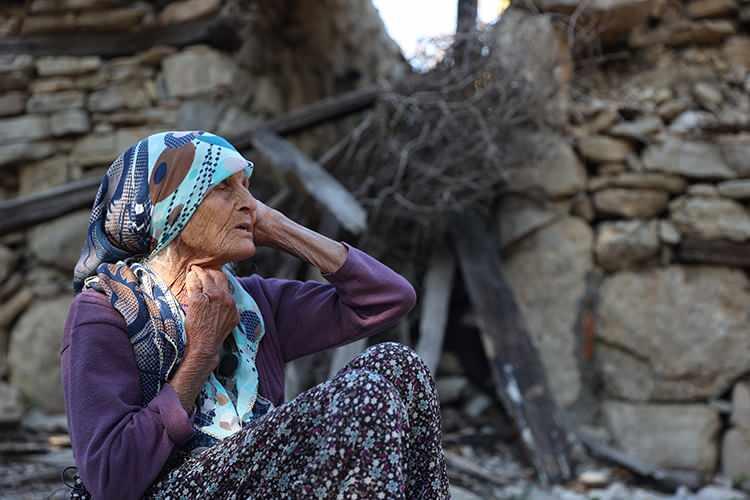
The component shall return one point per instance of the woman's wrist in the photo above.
(190, 376)
(319, 250)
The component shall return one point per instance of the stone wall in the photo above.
(633, 280)
(65, 118)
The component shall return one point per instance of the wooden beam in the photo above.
(433, 317)
(14, 214)
(315, 180)
(216, 31)
(721, 252)
(21, 213)
(518, 373)
(325, 110)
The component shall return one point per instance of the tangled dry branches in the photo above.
(447, 139)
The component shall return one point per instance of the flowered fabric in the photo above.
(371, 432)
(145, 200)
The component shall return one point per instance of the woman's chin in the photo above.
(246, 250)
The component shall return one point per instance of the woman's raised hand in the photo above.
(211, 314)
(264, 230)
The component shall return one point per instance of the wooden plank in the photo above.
(433, 316)
(325, 110)
(15, 214)
(21, 213)
(518, 373)
(721, 252)
(315, 180)
(215, 31)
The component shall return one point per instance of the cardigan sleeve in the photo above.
(362, 298)
(119, 444)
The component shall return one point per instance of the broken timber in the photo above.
(24, 212)
(517, 370)
(216, 31)
(315, 180)
(21, 213)
(433, 317)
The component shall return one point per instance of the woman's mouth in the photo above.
(244, 227)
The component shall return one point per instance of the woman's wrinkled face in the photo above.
(221, 229)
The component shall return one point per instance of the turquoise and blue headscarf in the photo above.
(145, 200)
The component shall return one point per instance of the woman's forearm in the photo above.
(322, 252)
(189, 378)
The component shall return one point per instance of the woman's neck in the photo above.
(172, 265)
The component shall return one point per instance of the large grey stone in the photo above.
(635, 203)
(66, 65)
(698, 9)
(735, 455)
(95, 150)
(59, 242)
(100, 149)
(12, 103)
(663, 182)
(130, 95)
(735, 150)
(547, 271)
(71, 121)
(691, 120)
(738, 190)
(55, 101)
(697, 160)
(34, 357)
(41, 175)
(187, 10)
(623, 244)
(639, 130)
(710, 218)
(198, 70)
(668, 326)
(673, 436)
(23, 129)
(602, 149)
(25, 151)
(10, 63)
(558, 173)
(519, 216)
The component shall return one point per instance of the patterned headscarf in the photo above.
(145, 200)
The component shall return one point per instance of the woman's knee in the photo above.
(364, 392)
(402, 360)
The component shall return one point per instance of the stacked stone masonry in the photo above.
(664, 141)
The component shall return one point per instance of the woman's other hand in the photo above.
(211, 314)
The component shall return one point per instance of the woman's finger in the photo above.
(193, 283)
(207, 284)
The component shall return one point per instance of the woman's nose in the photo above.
(247, 202)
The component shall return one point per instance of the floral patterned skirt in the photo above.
(372, 431)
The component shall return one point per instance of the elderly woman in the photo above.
(173, 367)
